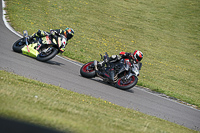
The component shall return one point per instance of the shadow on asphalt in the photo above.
(53, 62)
(105, 83)
(14, 126)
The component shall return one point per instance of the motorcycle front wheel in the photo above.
(18, 45)
(47, 54)
(87, 70)
(127, 84)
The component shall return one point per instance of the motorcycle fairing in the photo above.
(31, 47)
(33, 52)
(61, 41)
(46, 40)
(135, 69)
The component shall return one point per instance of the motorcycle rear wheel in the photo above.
(47, 56)
(87, 71)
(125, 85)
(18, 45)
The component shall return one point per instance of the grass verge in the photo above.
(50, 106)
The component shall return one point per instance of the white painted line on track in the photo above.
(11, 29)
(138, 88)
(5, 21)
(69, 60)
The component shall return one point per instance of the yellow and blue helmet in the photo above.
(69, 33)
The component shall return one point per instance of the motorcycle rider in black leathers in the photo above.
(134, 57)
(66, 34)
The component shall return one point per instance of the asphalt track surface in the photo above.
(66, 74)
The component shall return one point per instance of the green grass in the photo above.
(167, 32)
(50, 106)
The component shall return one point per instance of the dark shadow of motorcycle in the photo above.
(99, 80)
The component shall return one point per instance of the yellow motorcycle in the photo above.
(41, 48)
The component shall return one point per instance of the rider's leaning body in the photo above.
(134, 57)
(61, 36)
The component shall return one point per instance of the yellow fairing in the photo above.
(33, 52)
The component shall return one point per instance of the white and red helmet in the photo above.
(138, 55)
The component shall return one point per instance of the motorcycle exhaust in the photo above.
(25, 35)
(27, 44)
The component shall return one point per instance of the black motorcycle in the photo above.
(121, 72)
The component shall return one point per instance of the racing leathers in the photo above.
(57, 34)
(115, 58)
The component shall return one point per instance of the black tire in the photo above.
(127, 85)
(43, 58)
(86, 71)
(18, 45)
